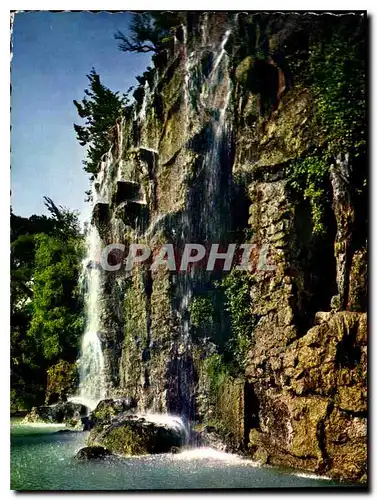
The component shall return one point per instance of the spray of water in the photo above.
(172, 421)
(208, 454)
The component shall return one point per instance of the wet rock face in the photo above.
(210, 436)
(127, 191)
(100, 217)
(135, 435)
(261, 77)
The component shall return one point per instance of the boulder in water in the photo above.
(107, 409)
(137, 435)
(92, 452)
(60, 413)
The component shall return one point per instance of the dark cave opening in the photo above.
(251, 410)
(315, 257)
(348, 354)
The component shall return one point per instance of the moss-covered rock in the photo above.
(92, 453)
(261, 77)
(358, 281)
(107, 409)
(244, 70)
(62, 380)
(135, 435)
(69, 413)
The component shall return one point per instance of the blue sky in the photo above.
(52, 54)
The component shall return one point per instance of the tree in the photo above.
(57, 322)
(45, 255)
(149, 31)
(100, 109)
(65, 221)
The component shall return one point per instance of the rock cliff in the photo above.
(205, 155)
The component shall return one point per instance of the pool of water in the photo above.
(42, 458)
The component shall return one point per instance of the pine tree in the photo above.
(100, 109)
(149, 31)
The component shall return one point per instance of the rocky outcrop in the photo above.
(59, 413)
(313, 399)
(358, 281)
(107, 409)
(341, 176)
(218, 439)
(136, 435)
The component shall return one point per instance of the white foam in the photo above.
(39, 424)
(208, 453)
(307, 475)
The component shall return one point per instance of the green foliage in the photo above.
(100, 109)
(337, 78)
(306, 176)
(66, 222)
(32, 267)
(217, 372)
(26, 377)
(62, 380)
(55, 324)
(149, 31)
(335, 73)
(201, 313)
(237, 289)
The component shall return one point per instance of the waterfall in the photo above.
(92, 387)
(93, 384)
(222, 49)
(186, 88)
(172, 421)
(146, 96)
(214, 91)
(218, 94)
(203, 29)
(91, 362)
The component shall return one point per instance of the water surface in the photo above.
(43, 459)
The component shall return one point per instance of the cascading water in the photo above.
(92, 387)
(91, 362)
(218, 94)
(203, 28)
(147, 93)
(214, 92)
